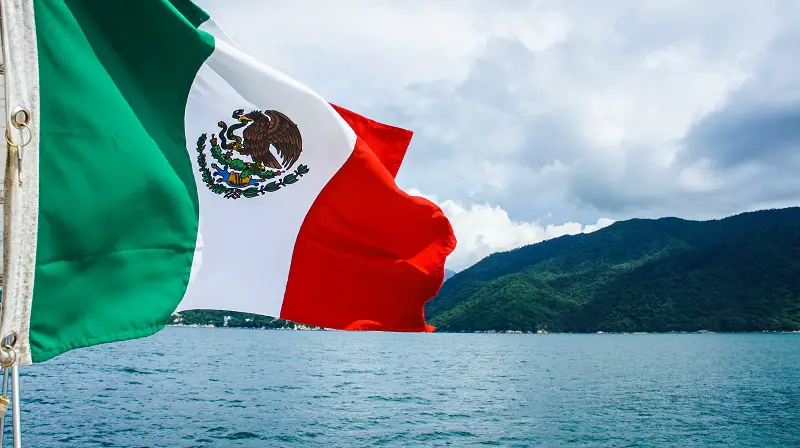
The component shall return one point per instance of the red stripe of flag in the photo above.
(368, 255)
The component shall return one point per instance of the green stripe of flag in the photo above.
(118, 213)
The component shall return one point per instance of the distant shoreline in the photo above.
(293, 328)
(304, 328)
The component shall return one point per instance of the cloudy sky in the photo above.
(533, 119)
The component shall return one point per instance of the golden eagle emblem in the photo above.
(271, 128)
(238, 177)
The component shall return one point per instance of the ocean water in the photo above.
(193, 387)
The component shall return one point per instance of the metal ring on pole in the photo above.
(20, 127)
(8, 356)
(9, 341)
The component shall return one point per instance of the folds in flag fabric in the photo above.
(176, 172)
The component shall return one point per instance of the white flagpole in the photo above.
(15, 414)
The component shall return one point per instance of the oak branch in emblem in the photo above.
(271, 128)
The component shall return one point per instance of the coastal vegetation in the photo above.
(232, 319)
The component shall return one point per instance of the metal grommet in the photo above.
(20, 117)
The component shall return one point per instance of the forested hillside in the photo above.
(741, 273)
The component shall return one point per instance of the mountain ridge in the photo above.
(665, 274)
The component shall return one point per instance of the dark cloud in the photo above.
(753, 140)
(746, 132)
(760, 122)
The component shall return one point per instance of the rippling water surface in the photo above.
(187, 387)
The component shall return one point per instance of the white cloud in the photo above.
(357, 49)
(482, 229)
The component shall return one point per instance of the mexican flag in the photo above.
(168, 170)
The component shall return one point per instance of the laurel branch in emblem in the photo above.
(233, 177)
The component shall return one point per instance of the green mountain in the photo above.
(740, 273)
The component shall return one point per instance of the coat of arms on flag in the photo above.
(234, 177)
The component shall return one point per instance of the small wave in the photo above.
(458, 416)
(429, 436)
(384, 441)
(285, 438)
(400, 399)
(135, 371)
(357, 371)
(242, 435)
